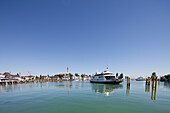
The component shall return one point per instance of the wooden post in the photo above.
(128, 81)
(146, 81)
(156, 81)
(153, 82)
(149, 80)
(147, 88)
(127, 89)
(152, 93)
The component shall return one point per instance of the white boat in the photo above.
(140, 79)
(106, 77)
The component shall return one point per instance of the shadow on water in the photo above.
(105, 89)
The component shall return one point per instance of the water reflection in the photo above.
(167, 85)
(147, 88)
(153, 94)
(128, 90)
(154, 90)
(105, 89)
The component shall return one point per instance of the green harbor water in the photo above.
(84, 97)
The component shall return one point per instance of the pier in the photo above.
(6, 82)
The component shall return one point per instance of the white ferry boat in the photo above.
(106, 77)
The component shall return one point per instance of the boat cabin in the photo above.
(105, 75)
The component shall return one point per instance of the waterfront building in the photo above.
(45, 77)
(30, 77)
(76, 78)
(66, 76)
(2, 76)
(54, 77)
(11, 76)
(86, 77)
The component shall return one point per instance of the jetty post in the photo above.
(128, 86)
(147, 85)
(156, 82)
(152, 94)
(154, 87)
(127, 90)
(153, 82)
(146, 81)
(147, 88)
(128, 81)
(149, 80)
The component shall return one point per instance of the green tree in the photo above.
(77, 75)
(153, 75)
(40, 76)
(82, 75)
(117, 75)
(121, 76)
(36, 77)
(167, 76)
(71, 76)
(60, 76)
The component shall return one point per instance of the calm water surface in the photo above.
(84, 97)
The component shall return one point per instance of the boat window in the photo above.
(108, 74)
(109, 77)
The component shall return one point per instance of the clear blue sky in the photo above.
(46, 36)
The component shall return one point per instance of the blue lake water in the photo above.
(84, 97)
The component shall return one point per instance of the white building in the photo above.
(2, 76)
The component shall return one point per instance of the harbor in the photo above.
(84, 93)
(84, 56)
(84, 97)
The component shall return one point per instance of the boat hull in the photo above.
(107, 82)
(140, 80)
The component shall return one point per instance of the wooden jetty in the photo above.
(8, 81)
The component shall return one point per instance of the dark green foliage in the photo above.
(167, 76)
(40, 76)
(117, 74)
(58, 75)
(121, 76)
(153, 75)
(77, 75)
(36, 77)
(82, 75)
(71, 76)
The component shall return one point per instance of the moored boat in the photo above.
(140, 79)
(106, 77)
